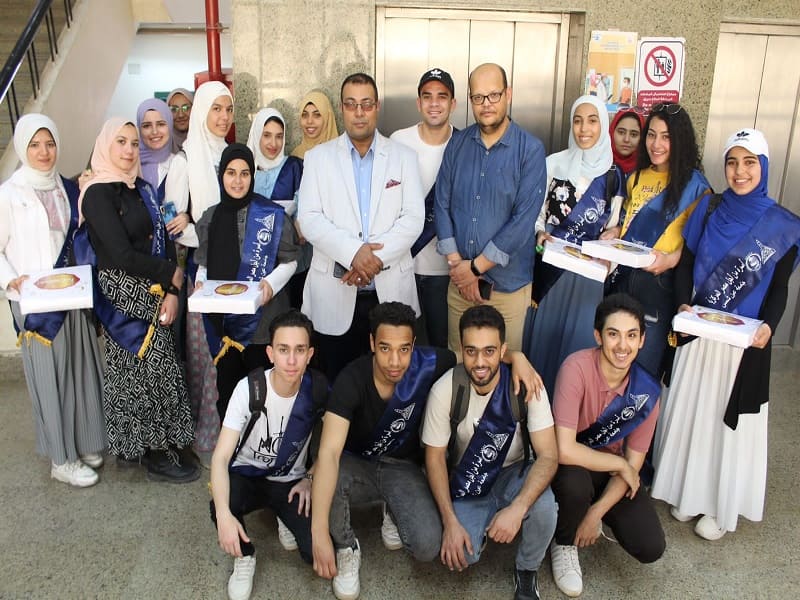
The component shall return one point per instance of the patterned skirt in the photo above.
(145, 399)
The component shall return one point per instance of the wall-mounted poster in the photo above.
(611, 68)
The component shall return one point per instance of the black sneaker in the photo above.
(162, 467)
(526, 585)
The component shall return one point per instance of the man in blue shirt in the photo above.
(489, 192)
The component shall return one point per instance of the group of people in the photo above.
(360, 242)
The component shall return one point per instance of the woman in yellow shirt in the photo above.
(662, 193)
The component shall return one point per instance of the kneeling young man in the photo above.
(605, 408)
(492, 490)
(269, 449)
(370, 448)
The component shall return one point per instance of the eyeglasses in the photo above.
(639, 110)
(670, 109)
(184, 108)
(492, 97)
(366, 105)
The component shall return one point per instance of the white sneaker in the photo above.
(74, 473)
(708, 529)
(389, 534)
(679, 516)
(93, 460)
(346, 585)
(285, 536)
(566, 569)
(240, 583)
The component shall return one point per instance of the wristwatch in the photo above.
(474, 269)
(309, 476)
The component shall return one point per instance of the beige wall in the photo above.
(282, 48)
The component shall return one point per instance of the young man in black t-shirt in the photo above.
(370, 448)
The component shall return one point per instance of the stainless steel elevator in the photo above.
(532, 47)
(757, 84)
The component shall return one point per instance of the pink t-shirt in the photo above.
(582, 393)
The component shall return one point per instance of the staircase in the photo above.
(14, 15)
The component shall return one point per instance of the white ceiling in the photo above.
(193, 11)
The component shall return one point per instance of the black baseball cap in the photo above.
(439, 75)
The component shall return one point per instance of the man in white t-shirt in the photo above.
(269, 448)
(429, 137)
(491, 490)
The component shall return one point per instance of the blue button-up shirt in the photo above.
(487, 202)
(362, 173)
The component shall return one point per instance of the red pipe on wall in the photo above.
(212, 41)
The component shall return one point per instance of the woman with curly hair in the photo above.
(662, 193)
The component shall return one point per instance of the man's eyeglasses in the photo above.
(492, 97)
(184, 108)
(366, 105)
(670, 109)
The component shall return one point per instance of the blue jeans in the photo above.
(432, 292)
(404, 488)
(538, 526)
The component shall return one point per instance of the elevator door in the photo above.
(532, 47)
(757, 84)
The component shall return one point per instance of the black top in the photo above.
(751, 386)
(354, 397)
(121, 233)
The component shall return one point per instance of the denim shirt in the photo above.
(362, 173)
(487, 202)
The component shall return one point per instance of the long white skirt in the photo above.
(701, 465)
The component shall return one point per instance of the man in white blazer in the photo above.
(361, 206)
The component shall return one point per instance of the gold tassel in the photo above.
(29, 335)
(227, 343)
(672, 339)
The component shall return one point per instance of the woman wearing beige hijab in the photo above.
(317, 120)
(144, 392)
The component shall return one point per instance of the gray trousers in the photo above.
(403, 487)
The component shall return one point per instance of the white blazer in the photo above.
(25, 238)
(328, 215)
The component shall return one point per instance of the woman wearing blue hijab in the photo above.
(711, 441)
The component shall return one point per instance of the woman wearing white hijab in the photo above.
(278, 178)
(193, 186)
(582, 186)
(60, 356)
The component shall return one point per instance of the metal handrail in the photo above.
(24, 50)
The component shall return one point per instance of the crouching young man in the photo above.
(605, 407)
(261, 455)
(492, 490)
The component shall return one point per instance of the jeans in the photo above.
(475, 514)
(404, 488)
(249, 493)
(432, 292)
(657, 295)
(634, 521)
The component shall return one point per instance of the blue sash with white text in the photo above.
(262, 236)
(486, 452)
(48, 324)
(625, 412)
(129, 332)
(291, 444)
(405, 408)
(650, 222)
(748, 262)
(587, 218)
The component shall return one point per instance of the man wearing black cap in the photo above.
(429, 137)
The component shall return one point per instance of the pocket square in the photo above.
(391, 183)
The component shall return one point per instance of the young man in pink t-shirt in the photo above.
(605, 410)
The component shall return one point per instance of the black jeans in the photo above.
(634, 521)
(657, 295)
(249, 493)
(337, 351)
